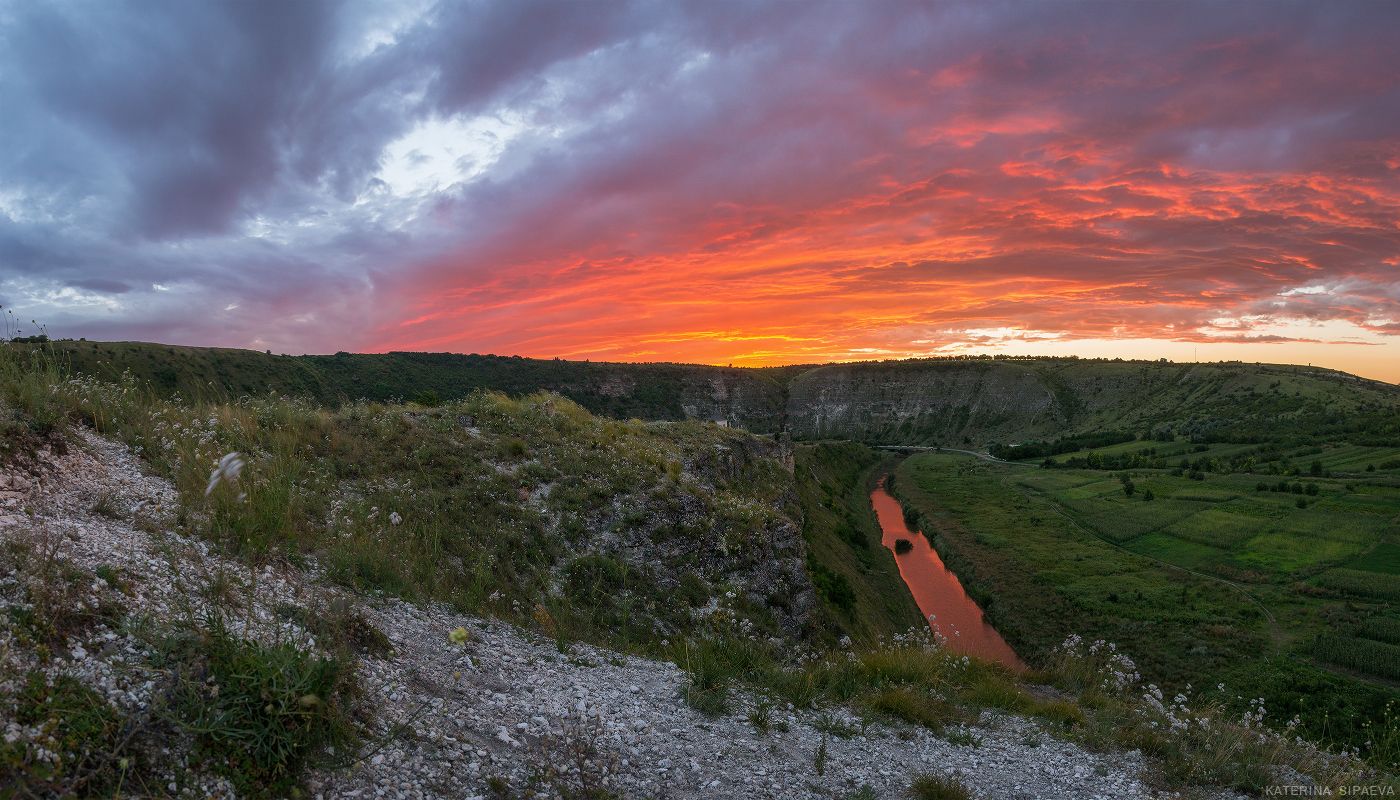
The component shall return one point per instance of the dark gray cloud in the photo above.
(309, 175)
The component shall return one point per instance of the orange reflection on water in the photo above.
(937, 590)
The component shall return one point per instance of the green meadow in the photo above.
(1281, 586)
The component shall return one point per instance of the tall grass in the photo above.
(257, 712)
(476, 503)
(1194, 740)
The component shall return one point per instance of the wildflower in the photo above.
(394, 518)
(458, 636)
(228, 469)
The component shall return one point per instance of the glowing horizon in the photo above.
(751, 184)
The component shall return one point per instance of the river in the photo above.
(937, 591)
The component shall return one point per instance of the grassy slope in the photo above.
(504, 503)
(212, 373)
(855, 574)
(1030, 543)
(645, 391)
(750, 398)
(978, 402)
(533, 509)
(971, 402)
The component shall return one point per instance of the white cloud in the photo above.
(443, 152)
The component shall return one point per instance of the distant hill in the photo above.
(979, 402)
(746, 398)
(953, 402)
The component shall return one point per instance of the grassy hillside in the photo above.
(710, 547)
(645, 391)
(750, 399)
(979, 402)
(213, 373)
(854, 574)
(1281, 595)
(953, 402)
(622, 531)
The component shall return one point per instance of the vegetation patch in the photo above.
(1195, 597)
(74, 743)
(939, 787)
(857, 579)
(258, 713)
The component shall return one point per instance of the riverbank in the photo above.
(951, 612)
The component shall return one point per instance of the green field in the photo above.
(1282, 595)
(1339, 460)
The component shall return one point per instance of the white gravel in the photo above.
(507, 706)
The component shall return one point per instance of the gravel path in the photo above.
(506, 712)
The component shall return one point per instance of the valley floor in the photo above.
(503, 714)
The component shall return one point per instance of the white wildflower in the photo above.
(394, 518)
(227, 471)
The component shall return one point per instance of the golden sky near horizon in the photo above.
(722, 183)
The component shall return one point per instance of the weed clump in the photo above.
(1190, 740)
(258, 713)
(55, 601)
(76, 744)
(914, 706)
(938, 787)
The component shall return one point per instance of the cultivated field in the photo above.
(1282, 586)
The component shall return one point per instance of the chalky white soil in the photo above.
(446, 720)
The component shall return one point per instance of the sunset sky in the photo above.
(721, 182)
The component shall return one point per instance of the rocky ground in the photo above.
(504, 714)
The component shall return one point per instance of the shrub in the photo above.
(54, 589)
(914, 706)
(338, 626)
(258, 713)
(833, 586)
(902, 546)
(574, 763)
(938, 787)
